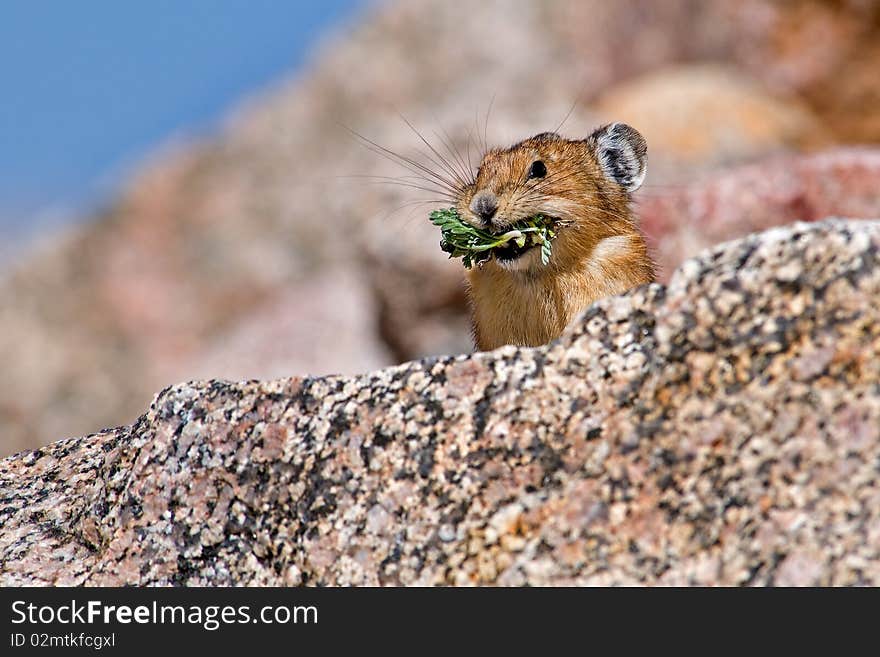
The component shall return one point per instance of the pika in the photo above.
(585, 186)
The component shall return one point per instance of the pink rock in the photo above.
(680, 222)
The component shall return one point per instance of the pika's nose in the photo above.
(484, 205)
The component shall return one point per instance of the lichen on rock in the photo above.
(722, 429)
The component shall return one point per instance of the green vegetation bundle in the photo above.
(474, 246)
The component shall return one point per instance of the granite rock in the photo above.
(721, 430)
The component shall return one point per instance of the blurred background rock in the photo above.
(261, 250)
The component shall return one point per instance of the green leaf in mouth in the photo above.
(474, 246)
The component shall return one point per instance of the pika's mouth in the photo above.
(511, 250)
(528, 238)
(475, 246)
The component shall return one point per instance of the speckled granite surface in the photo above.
(723, 430)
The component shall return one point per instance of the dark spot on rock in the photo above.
(480, 413)
(665, 481)
(366, 452)
(426, 461)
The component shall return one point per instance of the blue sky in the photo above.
(90, 86)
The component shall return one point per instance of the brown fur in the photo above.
(534, 304)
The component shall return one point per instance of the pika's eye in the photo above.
(537, 170)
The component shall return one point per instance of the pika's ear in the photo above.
(622, 153)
